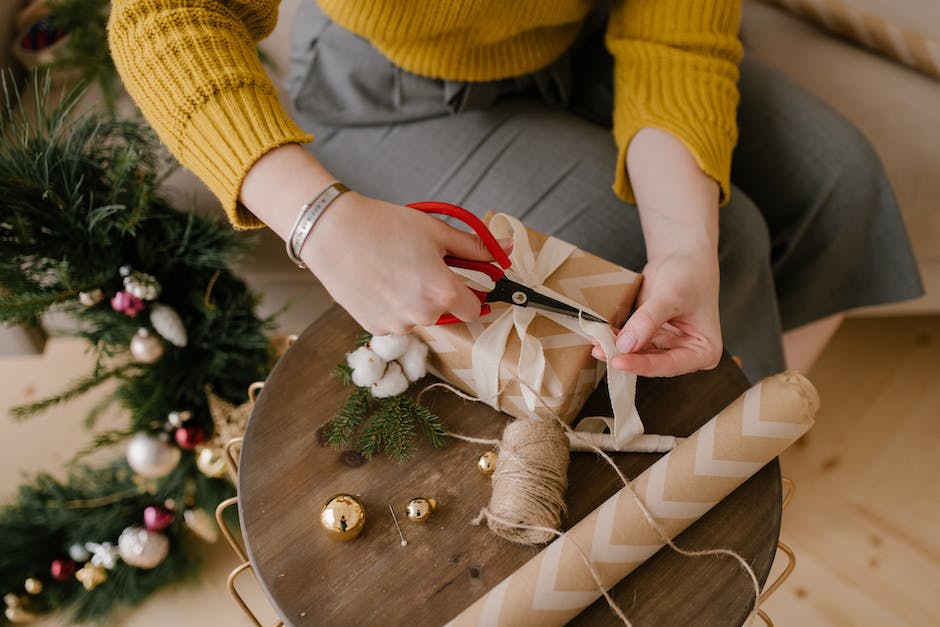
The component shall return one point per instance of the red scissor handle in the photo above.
(489, 241)
(447, 209)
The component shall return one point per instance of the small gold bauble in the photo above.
(33, 585)
(486, 463)
(210, 462)
(91, 297)
(343, 517)
(146, 348)
(17, 615)
(200, 523)
(419, 510)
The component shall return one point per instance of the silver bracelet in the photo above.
(309, 214)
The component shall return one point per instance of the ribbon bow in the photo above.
(625, 428)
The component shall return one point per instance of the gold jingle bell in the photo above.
(210, 462)
(33, 586)
(486, 463)
(419, 510)
(343, 517)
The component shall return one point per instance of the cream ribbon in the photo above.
(625, 428)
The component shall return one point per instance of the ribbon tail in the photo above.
(485, 356)
(646, 443)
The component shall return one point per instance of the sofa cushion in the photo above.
(908, 31)
(896, 108)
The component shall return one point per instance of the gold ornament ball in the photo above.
(91, 297)
(33, 585)
(143, 548)
(419, 510)
(486, 463)
(201, 524)
(210, 462)
(343, 517)
(17, 615)
(150, 457)
(145, 347)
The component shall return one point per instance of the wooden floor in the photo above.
(865, 520)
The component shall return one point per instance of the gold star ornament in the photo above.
(91, 575)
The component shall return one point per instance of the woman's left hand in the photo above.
(675, 328)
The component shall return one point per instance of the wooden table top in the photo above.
(286, 475)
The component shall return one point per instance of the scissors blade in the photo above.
(507, 291)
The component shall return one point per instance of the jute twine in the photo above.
(529, 482)
(534, 474)
(531, 476)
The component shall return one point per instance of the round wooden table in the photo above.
(287, 473)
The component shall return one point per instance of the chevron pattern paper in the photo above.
(555, 585)
(571, 373)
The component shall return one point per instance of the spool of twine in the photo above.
(529, 482)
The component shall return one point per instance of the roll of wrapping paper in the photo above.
(556, 585)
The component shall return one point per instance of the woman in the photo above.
(509, 106)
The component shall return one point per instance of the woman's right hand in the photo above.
(384, 264)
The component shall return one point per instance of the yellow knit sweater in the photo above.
(192, 67)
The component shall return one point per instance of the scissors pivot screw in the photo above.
(519, 298)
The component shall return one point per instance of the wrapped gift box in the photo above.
(520, 360)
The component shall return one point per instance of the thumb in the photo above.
(466, 245)
(643, 324)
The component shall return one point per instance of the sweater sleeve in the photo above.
(193, 69)
(676, 68)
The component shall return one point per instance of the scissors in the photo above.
(504, 290)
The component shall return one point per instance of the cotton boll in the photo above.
(414, 361)
(367, 366)
(392, 384)
(390, 347)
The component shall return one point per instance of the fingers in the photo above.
(645, 323)
(667, 363)
(460, 300)
(653, 343)
(467, 245)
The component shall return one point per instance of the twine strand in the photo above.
(530, 481)
(501, 520)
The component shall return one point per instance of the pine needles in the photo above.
(80, 196)
(381, 425)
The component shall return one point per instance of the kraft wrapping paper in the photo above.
(566, 373)
(556, 585)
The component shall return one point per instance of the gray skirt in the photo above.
(812, 227)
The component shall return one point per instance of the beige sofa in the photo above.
(896, 107)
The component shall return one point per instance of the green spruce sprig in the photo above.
(381, 425)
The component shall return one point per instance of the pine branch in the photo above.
(430, 424)
(81, 198)
(397, 425)
(21, 412)
(100, 440)
(343, 372)
(370, 441)
(349, 417)
(21, 307)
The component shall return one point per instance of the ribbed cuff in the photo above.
(228, 134)
(712, 154)
(696, 106)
